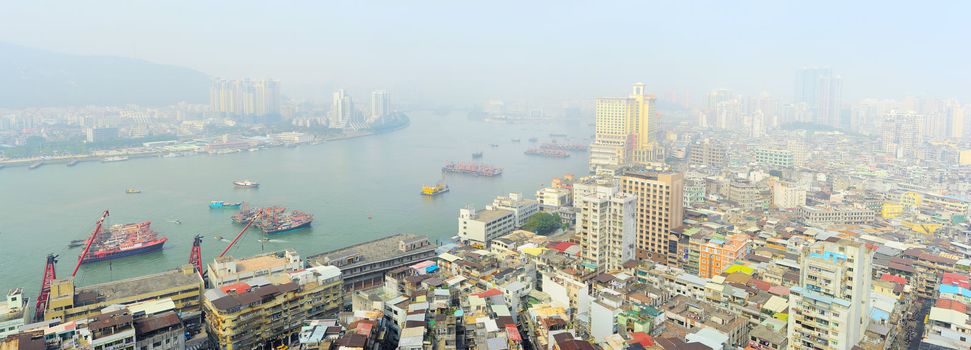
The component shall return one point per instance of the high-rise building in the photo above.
(955, 120)
(659, 208)
(605, 224)
(627, 130)
(380, 104)
(245, 97)
(822, 92)
(830, 307)
(341, 110)
(903, 134)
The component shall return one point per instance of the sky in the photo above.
(467, 52)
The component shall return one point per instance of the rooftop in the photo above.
(126, 288)
(367, 252)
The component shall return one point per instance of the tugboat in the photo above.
(131, 190)
(432, 191)
(246, 184)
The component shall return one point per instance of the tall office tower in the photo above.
(380, 104)
(659, 208)
(627, 130)
(955, 120)
(903, 134)
(605, 224)
(245, 97)
(341, 110)
(822, 91)
(830, 307)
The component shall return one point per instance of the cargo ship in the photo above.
(277, 220)
(471, 169)
(114, 159)
(246, 184)
(432, 191)
(573, 147)
(124, 240)
(548, 153)
(224, 204)
(244, 215)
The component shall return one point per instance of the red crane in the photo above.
(240, 234)
(87, 245)
(45, 288)
(195, 257)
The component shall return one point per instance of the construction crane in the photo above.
(45, 288)
(87, 245)
(241, 232)
(195, 257)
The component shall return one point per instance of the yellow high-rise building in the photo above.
(627, 130)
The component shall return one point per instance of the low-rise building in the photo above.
(479, 227)
(363, 265)
(226, 269)
(824, 215)
(13, 312)
(521, 207)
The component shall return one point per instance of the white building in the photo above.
(479, 227)
(830, 307)
(788, 195)
(13, 312)
(227, 270)
(551, 198)
(341, 110)
(823, 215)
(380, 104)
(521, 207)
(605, 226)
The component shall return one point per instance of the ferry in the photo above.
(114, 159)
(131, 190)
(224, 204)
(432, 191)
(246, 184)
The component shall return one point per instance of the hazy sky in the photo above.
(546, 51)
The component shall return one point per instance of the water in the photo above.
(342, 183)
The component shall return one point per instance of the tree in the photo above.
(542, 223)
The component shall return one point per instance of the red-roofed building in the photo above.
(951, 304)
(561, 246)
(893, 278)
(956, 279)
(642, 338)
(513, 333)
(237, 288)
(489, 293)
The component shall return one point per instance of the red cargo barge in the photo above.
(124, 240)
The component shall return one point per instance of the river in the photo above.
(358, 189)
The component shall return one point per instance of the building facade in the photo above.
(659, 208)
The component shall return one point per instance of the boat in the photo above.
(432, 191)
(114, 159)
(557, 135)
(476, 155)
(76, 243)
(35, 165)
(494, 145)
(73, 162)
(224, 204)
(123, 240)
(572, 147)
(533, 139)
(516, 140)
(245, 215)
(133, 190)
(246, 184)
(476, 169)
(273, 220)
(546, 152)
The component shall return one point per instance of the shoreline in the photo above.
(88, 158)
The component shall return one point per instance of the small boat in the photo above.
(516, 140)
(219, 238)
(494, 145)
(557, 135)
(76, 243)
(133, 190)
(35, 165)
(73, 162)
(246, 184)
(431, 191)
(533, 139)
(114, 159)
(476, 155)
(224, 204)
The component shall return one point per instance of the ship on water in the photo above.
(548, 153)
(274, 220)
(572, 147)
(114, 159)
(132, 190)
(73, 162)
(437, 189)
(224, 204)
(476, 169)
(246, 184)
(35, 165)
(123, 240)
(245, 215)
(476, 155)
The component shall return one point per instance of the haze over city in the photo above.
(548, 175)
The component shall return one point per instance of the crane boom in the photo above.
(87, 245)
(240, 234)
(195, 257)
(45, 288)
